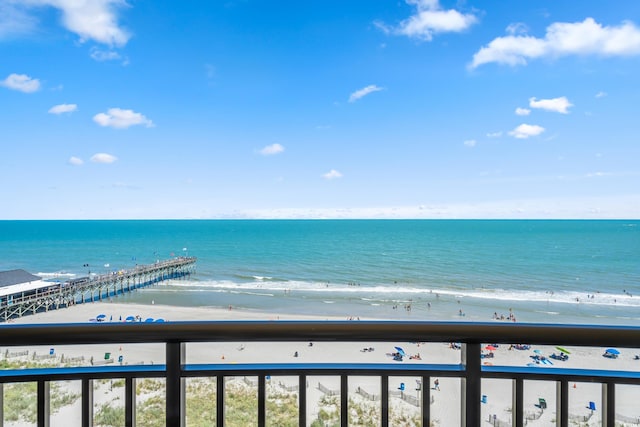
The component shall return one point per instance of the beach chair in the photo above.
(543, 403)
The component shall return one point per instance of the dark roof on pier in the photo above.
(15, 277)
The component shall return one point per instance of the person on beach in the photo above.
(436, 384)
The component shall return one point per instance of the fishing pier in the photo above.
(53, 296)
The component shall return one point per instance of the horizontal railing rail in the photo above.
(175, 336)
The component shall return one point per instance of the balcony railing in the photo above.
(177, 335)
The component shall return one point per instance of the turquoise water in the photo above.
(544, 271)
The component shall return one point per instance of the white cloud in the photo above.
(619, 206)
(63, 108)
(497, 134)
(332, 174)
(14, 20)
(430, 19)
(601, 94)
(121, 119)
(558, 105)
(272, 149)
(103, 158)
(517, 28)
(95, 20)
(522, 111)
(104, 55)
(562, 39)
(360, 93)
(21, 82)
(524, 131)
(470, 143)
(76, 161)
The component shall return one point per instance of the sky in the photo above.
(114, 109)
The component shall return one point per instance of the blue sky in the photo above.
(322, 109)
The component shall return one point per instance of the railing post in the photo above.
(43, 403)
(87, 402)
(130, 402)
(609, 404)
(175, 384)
(344, 400)
(518, 402)
(425, 388)
(262, 396)
(384, 400)
(1, 404)
(302, 401)
(562, 403)
(220, 401)
(472, 385)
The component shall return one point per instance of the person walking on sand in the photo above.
(436, 385)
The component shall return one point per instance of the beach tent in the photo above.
(101, 317)
(130, 319)
(159, 320)
(148, 319)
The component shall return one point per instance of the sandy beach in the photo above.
(445, 406)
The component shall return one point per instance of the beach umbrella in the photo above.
(490, 347)
(562, 349)
(130, 319)
(159, 320)
(101, 316)
(612, 351)
(148, 319)
(401, 351)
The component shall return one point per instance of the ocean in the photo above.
(547, 271)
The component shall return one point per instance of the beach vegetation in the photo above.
(149, 385)
(61, 396)
(241, 405)
(201, 402)
(25, 364)
(328, 412)
(282, 409)
(152, 412)
(21, 400)
(109, 416)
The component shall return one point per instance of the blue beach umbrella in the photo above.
(148, 320)
(101, 316)
(130, 319)
(159, 320)
(401, 351)
(612, 351)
